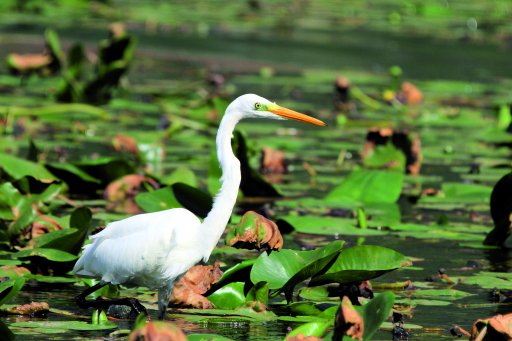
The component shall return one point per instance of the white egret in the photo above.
(156, 249)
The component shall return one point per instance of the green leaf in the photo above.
(18, 168)
(284, 269)
(64, 325)
(180, 174)
(10, 288)
(207, 337)
(230, 296)
(368, 186)
(69, 240)
(59, 168)
(258, 293)
(460, 193)
(317, 329)
(375, 312)
(50, 254)
(385, 155)
(329, 226)
(158, 200)
(446, 294)
(237, 273)
(360, 263)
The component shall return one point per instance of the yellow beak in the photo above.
(293, 115)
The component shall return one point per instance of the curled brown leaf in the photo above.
(348, 321)
(32, 309)
(255, 231)
(189, 290)
(496, 328)
(158, 331)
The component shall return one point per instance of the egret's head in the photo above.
(256, 106)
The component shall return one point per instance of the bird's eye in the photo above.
(257, 105)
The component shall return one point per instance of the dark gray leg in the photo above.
(164, 295)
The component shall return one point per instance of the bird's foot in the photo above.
(137, 308)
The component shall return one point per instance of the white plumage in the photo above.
(155, 249)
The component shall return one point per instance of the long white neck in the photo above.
(215, 222)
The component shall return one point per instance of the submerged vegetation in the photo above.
(393, 222)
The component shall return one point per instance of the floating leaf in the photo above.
(360, 263)
(230, 296)
(158, 200)
(368, 186)
(50, 254)
(18, 168)
(329, 226)
(207, 337)
(63, 325)
(69, 240)
(317, 329)
(284, 269)
(10, 288)
(180, 174)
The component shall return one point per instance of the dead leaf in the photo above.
(125, 144)
(32, 309)
(158, 331)
(409, 94)
(27, 63)
(13, 270)
(254, 231)
(189, 290)
(495, 328)
(272, 162)
(348, 321)
(121, 193)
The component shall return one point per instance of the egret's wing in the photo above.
(138, 248)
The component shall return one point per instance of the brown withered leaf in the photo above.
(409, 94)
(189, 290)
(496, 328)
(254, 231)
(158, 331)
(301, 337)
(32, 309)
(26, 63)
(120, 194)
(125, 144)
(348, 321)
(13, 270)
(272, 161)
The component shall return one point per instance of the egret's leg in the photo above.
(164, 295)
(103, 304)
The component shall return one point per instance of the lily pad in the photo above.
(18, 168)
(368, 186)
(360, 263)
(230, 296)
(284, 269)
(63, 325)
(50, 254)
